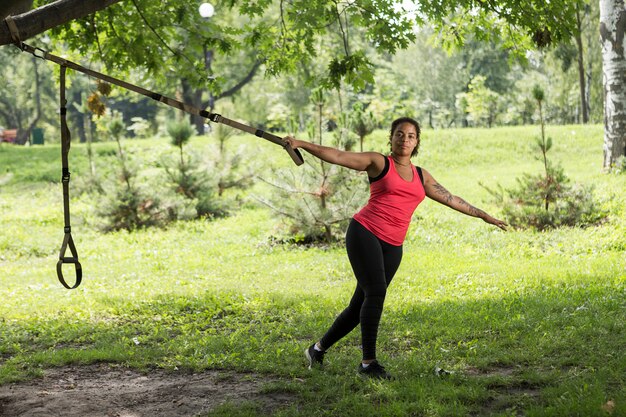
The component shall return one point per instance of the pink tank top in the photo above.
(392, 202)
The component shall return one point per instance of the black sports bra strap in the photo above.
(419, 171)
(383, 173)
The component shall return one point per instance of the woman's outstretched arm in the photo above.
(372, 162)
(437, 192)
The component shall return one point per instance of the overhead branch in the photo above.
(49, 16)
(231, 91)
(9, 7)
(159, 37)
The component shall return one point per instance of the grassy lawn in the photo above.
(527, 323)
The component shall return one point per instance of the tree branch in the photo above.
(344, 36)
(11, 7)
(279, 211)
(153, 30)
(231, 91)
(51, 15)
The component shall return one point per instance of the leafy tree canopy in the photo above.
(167, 38)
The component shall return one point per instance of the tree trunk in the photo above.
(193, 96)
(590, 66)
(23, 135)
(78, 118)
(612, 31)
(581, 68)
(51, 15)
(13, 7)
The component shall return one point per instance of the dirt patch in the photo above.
(103, 390)
(507, 393)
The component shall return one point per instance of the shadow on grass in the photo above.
(557, 350)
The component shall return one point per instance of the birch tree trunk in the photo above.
(612, 29)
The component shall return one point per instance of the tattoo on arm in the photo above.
(471, 210)
(443, 193)
(461, 205)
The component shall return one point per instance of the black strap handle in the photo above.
(295, 155)
(68, 241)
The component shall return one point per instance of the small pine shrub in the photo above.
(180, 132)
(128, 206)
(228, 165)
(203, 180)
(362, 122)
(316, 206)
(547, 200)
(194, 181)
(316, 201)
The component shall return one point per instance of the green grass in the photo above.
(529, 323)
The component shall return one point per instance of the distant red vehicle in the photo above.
(8, 135)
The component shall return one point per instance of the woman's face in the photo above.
(404, 139)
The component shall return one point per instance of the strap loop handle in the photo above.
(68, 241)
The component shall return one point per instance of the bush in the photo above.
(362, 122)
(316, 203)
(194, 182)
(127, 206)
(227, 165)
(180, 132)
(202, 180)
(545, 201)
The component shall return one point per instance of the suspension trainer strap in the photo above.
(65, 180)
(295, 154)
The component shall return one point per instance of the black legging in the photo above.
(374, 263)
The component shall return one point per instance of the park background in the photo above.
(205, 250)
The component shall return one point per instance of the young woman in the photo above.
(376, 233)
